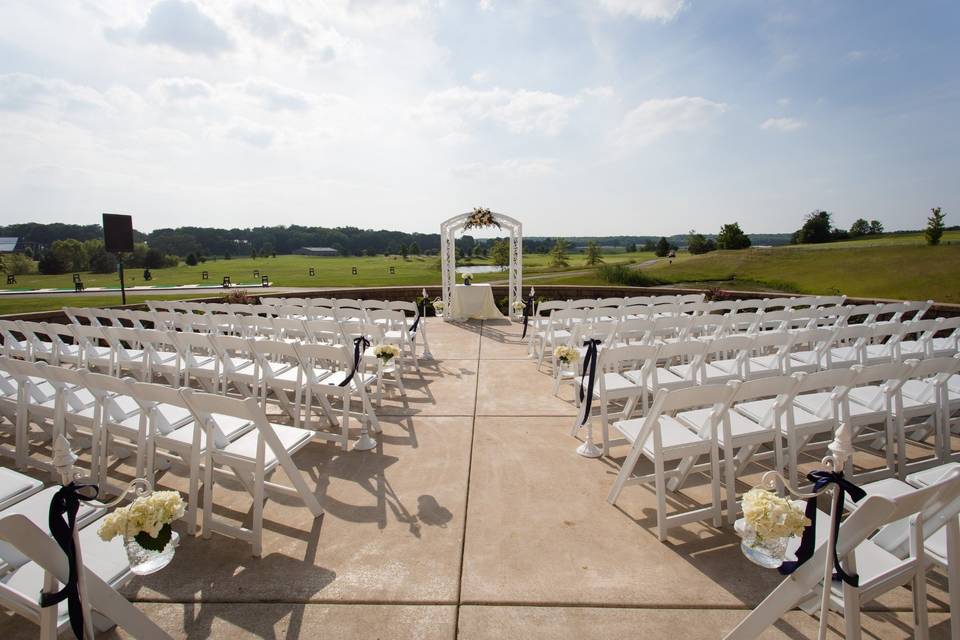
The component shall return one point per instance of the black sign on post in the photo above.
(265, 281)
(393, 270)
(354, 271)
(118, 239)
(205, 275)
(256, 273)
(313, 271)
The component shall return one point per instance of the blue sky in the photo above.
(576, 117)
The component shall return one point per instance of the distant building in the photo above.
(8, 245)
(317, 251)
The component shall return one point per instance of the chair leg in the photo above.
(731, 483)
(661, 487)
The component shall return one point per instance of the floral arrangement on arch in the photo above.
(481, 218)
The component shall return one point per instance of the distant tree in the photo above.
(19, 264)
(414, 248)
(839, 234)
(154, 259)
(649, 245)
(500, 253)
(859, 228)
(731, 236)
(593, 253)
(935, 226)
(71, 253)
(662, 248)
(816, 228)
(253, 252)
(560, 253)
(631, 248)
(191, 260)
(876, 227)
(266, 249)
(697, 243)
(404, 252)
(28, 252)
(100, 260)
(466, 244)
(51, 264)
(227, 255)
(202, 259)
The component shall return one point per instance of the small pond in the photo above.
(485, 268)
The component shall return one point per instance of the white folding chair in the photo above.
(95, 356)
(40, 349)
(198, 360)
(331, 373)
(128, 354)
(252, 457)
(662, 436)
(237, 363)
(163, 358)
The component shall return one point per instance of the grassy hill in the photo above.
(895, 266)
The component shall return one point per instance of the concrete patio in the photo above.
(474, 518)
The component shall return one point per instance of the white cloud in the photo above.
(480, 77)
(179, 24)
(521, 111)
(274, 97)
(181, 88)
(855, 56)
(660, 10)
(26, 92)
(485, 5)
(511, 167)
(654, 119)
(784, 102)
(785, 125)
(249, 132)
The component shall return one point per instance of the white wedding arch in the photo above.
(448, 254)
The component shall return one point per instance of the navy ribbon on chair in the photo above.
(527, 312)
(821, 479)
(360, 344)
(66, 502)
(588, 379)
(416, 322)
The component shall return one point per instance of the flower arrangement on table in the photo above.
(386, 352)
(467, 278)
(566, 355)
(769, 521)
(480, 218)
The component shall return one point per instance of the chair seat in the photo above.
(36, 508)
(812, 402)
(919, 390)
(911, 347)
(335, 378)
(741, 426)
(765, 364)
(130, 355)
(872, 562)
(107, 560)
(844, 355)
(230, 426)
(805, 357)
(757, 409)
(878, 352)
(615, 384)
(15, 486)
(674, 435)
(929, 476)
(245, 447)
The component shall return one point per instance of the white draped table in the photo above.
(473, 302)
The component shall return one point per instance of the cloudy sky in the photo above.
(582, 117)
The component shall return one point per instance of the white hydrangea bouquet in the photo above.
(467, 277)
(519, 306)
(439, 305)
(145, 520)
(769, 521)
(566, 355)
(386, 352)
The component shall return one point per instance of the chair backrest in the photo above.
(742, 322)
(690, 350)
(151, 396)
(862, 313)
(373, 305)
(705, 326)
(840, 379)
(609, 303)
(207, 407)
(628, 357)
(547, 307)
(582, 303)
(563, 318)
(122, 339)
(634, 330)
(156, 340)
(347, 303)
(323, 331)
(323, 356)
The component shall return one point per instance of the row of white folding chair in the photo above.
(202, 431)
(30, 561)
(863, 397)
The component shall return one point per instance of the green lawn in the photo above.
(293, 271)
(900, 267)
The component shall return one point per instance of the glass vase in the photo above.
(146, 561)
(766, 552)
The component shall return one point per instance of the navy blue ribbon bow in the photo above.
(821, 479)
(588, 379)
(359, 346)
(66, 502)
(420, 314)
(527, 312)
